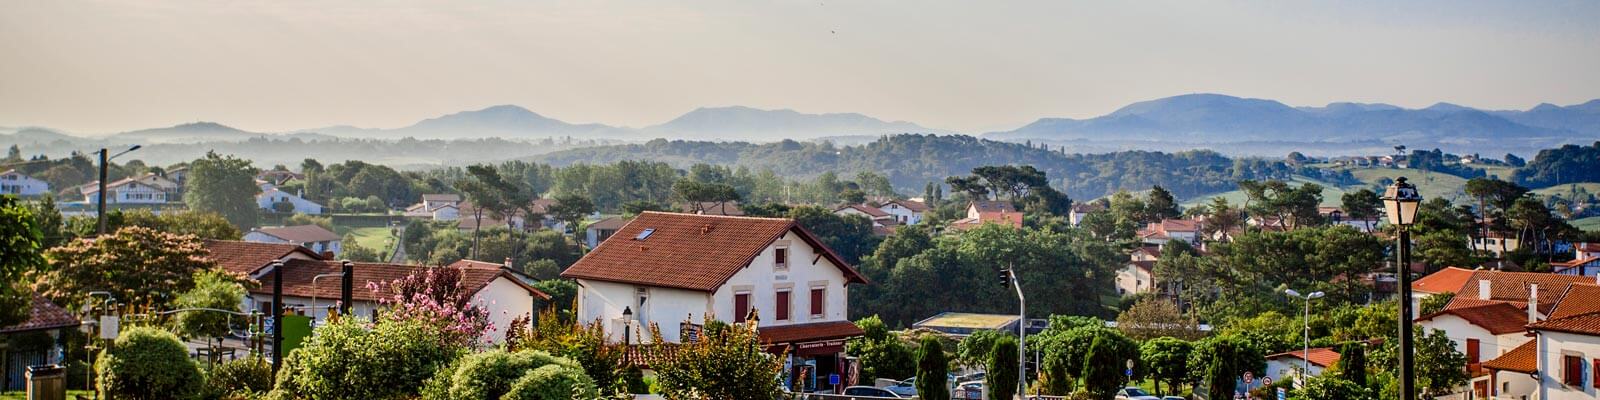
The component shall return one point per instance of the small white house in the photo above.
(126, 191)
(676, 270)
(878, 217)
(1136, 277)
(905, 212)
(1287, 365)
(15, 183)
(271, 196)
(312, 237)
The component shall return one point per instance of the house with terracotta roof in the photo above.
(1285, 366)
(1161, 232)
(249, 258)
(1585, 250)
(1080, 210)
(905, 212)
(599, 231)
(1562, 358)
(312, 237)
(878, 217)
(469, 217)
(988, 212)
(46, 318)
(437, 207)
(675, 270)
(16, 183)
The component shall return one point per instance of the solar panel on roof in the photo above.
(645, 234)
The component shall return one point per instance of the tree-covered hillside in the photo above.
(911, 161)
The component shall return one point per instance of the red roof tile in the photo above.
(809, 332)
(1321, 356)
(914, 206)
(43, 315)
(688, 251)
(1583, 324)
(247, 257)
(1513, 286)
(1522, 359)
(1580, 298)
(1497, 317)
(1448, 280)
(869, 210)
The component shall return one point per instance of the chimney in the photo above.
(1483, 289)
(508, 263)
(1533, 303)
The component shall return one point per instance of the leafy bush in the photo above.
(553, 382)
(725, 364)
(346, 360)
(931, 370)
(493, 374)
(212, 289)
(149, 363)
(243, 378)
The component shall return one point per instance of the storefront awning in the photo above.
(809, 339)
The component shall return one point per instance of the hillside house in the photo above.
(1159, 233)
(878, 217)
(14, 182)
(1286, 366)
(601, 230)
(437, 207)
(270, 196)
(468, 217)
(312, 237)
(146, 189)
(677, 270)
(1138, 276)
(1560, 361)
(905, 212)
(1495, 243)
(988, 212)
(494, 287)
(1080, 210)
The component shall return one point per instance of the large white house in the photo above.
(1560, 361)
(676, 271)
(905, 212)
(271, 195)
(493, 286)
(312, 237)
(144, 189)
(13, 182)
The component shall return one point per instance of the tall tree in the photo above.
(1363, 204)
(1101, 375)
(224, 185)
(571, 209)
(1165, 359)
(137, 265)
(1001, 381)
(1222, 360)
(932, 370)
(19, 255)
(1160, 204)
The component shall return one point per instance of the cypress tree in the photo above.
(1002, 379)
(932, 371)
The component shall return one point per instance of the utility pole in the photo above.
(347, 286)
(1009, 275)
(277, 316)
(100, 209)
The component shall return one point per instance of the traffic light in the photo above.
(1005, 277)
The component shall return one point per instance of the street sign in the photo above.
(108, 326)
(1283, 393)
(833, 379)
(1249, 377)
(1129, 372)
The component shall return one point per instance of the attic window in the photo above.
(645, 234)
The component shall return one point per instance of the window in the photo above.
(781, 310)
(645, 234)
(818, 297)
(780, 257)
(1573, 373)
(741, 306)
(1472, 351)
(1596, 372)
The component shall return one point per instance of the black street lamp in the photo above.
(627, 325)
(101, 208)
(1400, 201)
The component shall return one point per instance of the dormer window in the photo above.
(780, 258)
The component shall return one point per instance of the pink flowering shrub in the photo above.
(436, 297)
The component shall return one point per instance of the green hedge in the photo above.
(149, 363)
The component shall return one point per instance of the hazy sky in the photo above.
(104, 66)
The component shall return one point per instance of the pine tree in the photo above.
(932, 370)
(1002, 379)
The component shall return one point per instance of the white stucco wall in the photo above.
(1489, 345)
(505, 301)
(1285, 368)
(1132, 280)
(666, 307)
(904, 215)
(22, 185)
(265, 199)
(131, 193)
(1553, 346)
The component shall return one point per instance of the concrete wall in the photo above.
(1553, 347)
(1132, 280)
(904, 215)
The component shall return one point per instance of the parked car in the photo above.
(905, 388)
(1133, 393)
(969, 390)
(868, 391)
(1173, 398)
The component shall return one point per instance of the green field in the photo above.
(1430, 184)
(1563, 189)
(373, 238)
(1330, 194)
(1591, 224)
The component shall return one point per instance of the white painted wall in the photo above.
(666, 307)
(1514, 385)
(1489, 345)
(904, 215)
(266, 198)
(1132, 280)
(131, 193)
(1553, 346)
(18, 184)
(505, 301)
(1285, 368)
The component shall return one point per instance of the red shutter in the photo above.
(782, 313)
(741, 306)
(780, 257)
(1596, 371)
(1472, 351)
(816, 301)
(1574, 371)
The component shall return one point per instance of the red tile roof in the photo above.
(1448, 280)
(1321, 356)
(301, 233)
(1513, 286)
(1522, 359)
(993, 207)
(298, 275)
(1178, 225)
(1497, 317)
(1581, 298)
(1582, 324)
(613, 223)
(247, 257)
(688, 251)
(43, 315)
(1147, 266)
(809, 332)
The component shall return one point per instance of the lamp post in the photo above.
(1400, 202)
(277, 316)
(627, 325)
(314, 292)
(1306, 356)
(1008, 277)
(101, 201)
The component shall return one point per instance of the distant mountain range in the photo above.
(1188, 121)
(1219, 118)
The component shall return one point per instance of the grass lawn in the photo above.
(1431, 184)
(372, 238)
(1591, 224)
(20, 395)
(1330, 194)
(1564, 189)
